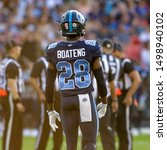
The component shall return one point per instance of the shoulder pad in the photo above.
(91, 42)
(52, 45)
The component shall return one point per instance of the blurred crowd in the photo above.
(35, 23)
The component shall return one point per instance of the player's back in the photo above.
(73, 62)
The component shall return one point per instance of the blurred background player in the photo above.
(74, 60)
(11, 87)
(38, 81)
(128, 83)
(111, 70)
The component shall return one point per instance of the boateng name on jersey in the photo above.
(71, 53)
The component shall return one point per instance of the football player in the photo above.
(73, 60)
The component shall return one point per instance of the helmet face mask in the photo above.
(73, 23)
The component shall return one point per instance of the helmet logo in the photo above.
(66, 26)
(74, 25)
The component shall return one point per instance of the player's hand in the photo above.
(20, 107)
(53, 115)
(127, 100)
(114, 105)
(101, 109)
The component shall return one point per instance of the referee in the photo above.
(111, 70)
(11, 87)
(129, 81)
(38, 81)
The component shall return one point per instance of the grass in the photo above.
(139, 142)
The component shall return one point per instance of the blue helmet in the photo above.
(73, 23)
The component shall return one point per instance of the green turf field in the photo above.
(140, 142)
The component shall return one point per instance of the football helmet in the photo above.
(73, 23)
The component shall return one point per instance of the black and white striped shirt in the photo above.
(111, 67)
(124, 80)
(111, 70)
(10, 68)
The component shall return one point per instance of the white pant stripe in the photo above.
(9, 128)
(41, 124)
(128, 127)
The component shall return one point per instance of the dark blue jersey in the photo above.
(73, 63)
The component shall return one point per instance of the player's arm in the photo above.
(136, 80)
(112, 90)
(12, 73)
(13, 88)
(35, 74)
(114, 102)
(41, 95)
(101, 83)
(50, 80)
(97, 70)
(33, 82)
(111, 79)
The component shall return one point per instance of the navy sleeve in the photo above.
(48, 55)
(37, 69)
(12, 71)
(50, 52)
(94, 47)
(128, 67)
(97, 51)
